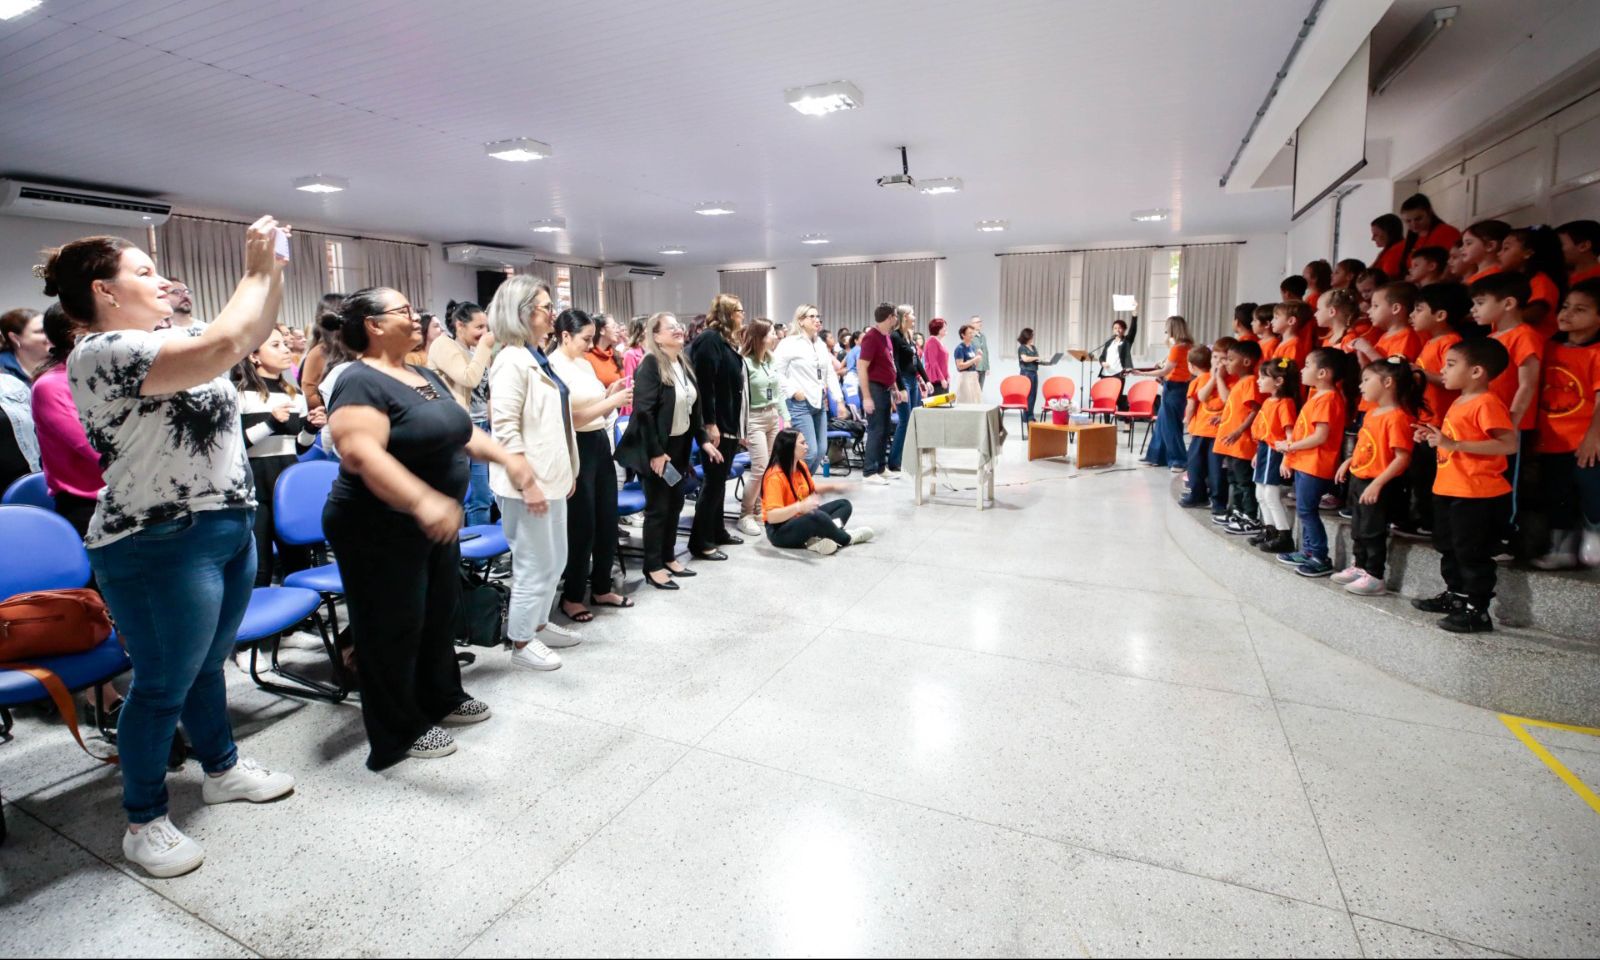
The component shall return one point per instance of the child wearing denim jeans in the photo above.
(1311, 454)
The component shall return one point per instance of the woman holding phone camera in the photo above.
(656, 444)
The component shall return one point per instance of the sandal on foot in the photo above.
(582, 616)
(596, 602)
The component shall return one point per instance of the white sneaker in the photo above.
(1589, 551)
(433, 744)
(558, 637)
(1349, 574)
(162, 849)
(877, 479)
(894, 474)
(822, 546)
(246, 780)
(860, 535)
(535, 656)
(1366, 585)
(750, 526)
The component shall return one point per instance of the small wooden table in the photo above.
(1097, 442)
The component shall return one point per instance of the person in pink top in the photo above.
(71, 466)
(633, 356)
(936, 357)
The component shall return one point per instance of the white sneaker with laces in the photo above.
(246, 780)
(161, 849)
(894, 474)
(750, 526)
(878, 480)
(822, 546)
(1349, 574)
(861, 535)
(535, 656)
(1366, 585)
(558, 637)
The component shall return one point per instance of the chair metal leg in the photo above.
(5, 725)
(307, 686)
(1142, 443)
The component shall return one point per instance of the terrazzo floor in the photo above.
(1038, 729)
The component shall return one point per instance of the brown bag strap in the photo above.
(62, 698)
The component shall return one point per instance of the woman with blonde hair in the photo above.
(808, 373)
(762, 417)
(1167, 448)
(720, 375)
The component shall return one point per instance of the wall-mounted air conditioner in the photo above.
(482, 255)
(624, 271)
(19, 198)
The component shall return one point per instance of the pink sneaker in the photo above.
(1349, 574)
(1366, 586)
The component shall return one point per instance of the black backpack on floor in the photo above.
(481, 614)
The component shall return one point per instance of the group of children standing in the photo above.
(1461, 409)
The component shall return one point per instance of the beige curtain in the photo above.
(585, 288)
(846, 294)
(750, 286)
(619, 300)
(909, 282)
(1206, 277)
(402, 266)
(544, 270)
(1109, 272)
(1035, 291)
(208, 255)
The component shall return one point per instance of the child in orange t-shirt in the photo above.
(1498, 300)
(1243, 316)
(1204, 407)
(1377, 470)
(1293, 327)
(1480, 248)
(1279, 386)
(1311, 453)
(1442, 316)
(1338, 318)
(1471, 496)
(1234, 444)
(1261, 323)
(1392, 335)
(1535, 252)
(1569, 433)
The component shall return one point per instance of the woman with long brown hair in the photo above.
(763, 418)
(721, 380)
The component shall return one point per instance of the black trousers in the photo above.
(1419, 477)
(1369, 524)
(591, 520)
(1241, 487)
(808, 526)
(710, 529)
(663, 505)
(401, 590)
(266, 471)
(1466, 531)
(879, 434)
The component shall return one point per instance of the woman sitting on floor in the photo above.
(790, 497)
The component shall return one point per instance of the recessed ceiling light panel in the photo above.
(814, 238)
(672, 250)
(1152, 216)
(549, 225)
(993, 226)
(11, 9)
(714, 209)
(940, 185)
(518, 150)
(322, 184)
(822, 99)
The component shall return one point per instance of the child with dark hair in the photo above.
(1480, 248)
(1199, 419)
(1293, 288)
(1234, 444)
(1292, 324)
(1377, 469)
(1311, 453)
(1580, 249)
(1535, 252)
(1497, 301)
(1243, 320)
(1441, 317)
(1569, 433)
(1279, 384)
(1428, 265)
(1472, 498)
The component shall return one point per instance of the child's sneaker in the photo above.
(1221, 519)
(1314, 568)
(1241, 525)
(1294, 559)
(1262, 536)
(1469, 619)
(1282, 543)
(1410, 533)
(1589, 547)
(1349, 574)
(1366, 586)
(1445, 602)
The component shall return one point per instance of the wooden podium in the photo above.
(1083, 357)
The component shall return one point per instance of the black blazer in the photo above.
(1124, 352)
(719, 375)
(650, 426)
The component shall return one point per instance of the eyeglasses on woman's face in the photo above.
(403, 310)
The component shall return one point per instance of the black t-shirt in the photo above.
(427, 435)
(1028, 355)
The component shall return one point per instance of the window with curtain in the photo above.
(208, 255)
(1035, 291)
(585, 284)
(750, 286)
(1205, 296)
(1110, 272)
(909, 282)
(846, 294)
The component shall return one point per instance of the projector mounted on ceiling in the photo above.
(901, 180)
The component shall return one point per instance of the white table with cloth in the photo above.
(963, 426)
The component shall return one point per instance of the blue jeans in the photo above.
(913, 400)
(877, 430)
(479, 497)
(1205, 475)
(1308, 492)
(1032, 373)
(1169, 423)
(810, 422)
(177, 591)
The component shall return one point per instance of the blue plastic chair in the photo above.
(273, 612)
(297, 502)
(30, 490)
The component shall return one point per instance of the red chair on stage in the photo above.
(1058, 388)
(1014, 396)
(1142, 400)
(1103, 397)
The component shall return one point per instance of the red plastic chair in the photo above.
(1142, 399)
(1103, 396)
(1014, 396)
(1057, 388)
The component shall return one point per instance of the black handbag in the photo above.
(481, 615)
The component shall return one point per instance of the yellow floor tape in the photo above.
(1519, 727)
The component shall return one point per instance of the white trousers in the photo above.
(538, 556)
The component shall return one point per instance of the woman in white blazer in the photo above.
(530, 415)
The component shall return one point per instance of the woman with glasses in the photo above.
(656, 444)
(392, 520)
(809, 376)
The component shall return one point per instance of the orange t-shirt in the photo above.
(1567, 388)
(1546, 292)
(1381, 435)
(1178, 356)
(1442, 235)
(1522, 342)
(1322, 460)
(1296, 348)
(1269, 347)
(1202, 423)
(1312, 297)
(1243, 397)
(1390, 262)
(1399, 342)
(1274, 421)
(1593, 273)
(1432, 360)
(1352, 333)
(1488, 271)
(779, 490)
(1247, 335)
(1473, 475)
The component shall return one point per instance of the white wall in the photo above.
(685, 291)
(22, 239)
(451, 281)
(1261, 267)
(1366, 203)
